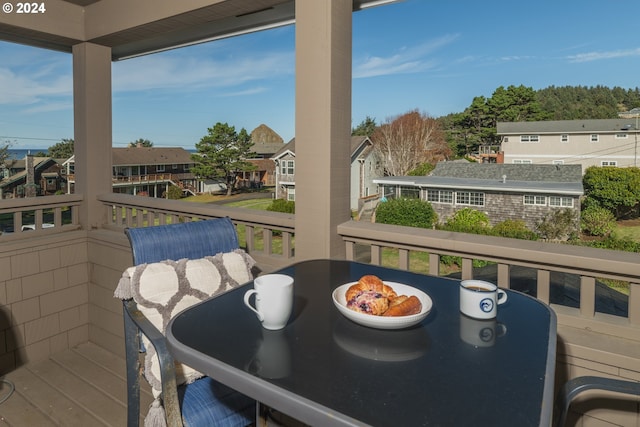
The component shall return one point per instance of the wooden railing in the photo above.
(38, 215)
(589, 264)
(256, 228)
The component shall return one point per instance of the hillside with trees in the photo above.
(476, 125)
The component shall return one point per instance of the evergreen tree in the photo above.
(222, 153)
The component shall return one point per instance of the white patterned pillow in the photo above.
(163, 289)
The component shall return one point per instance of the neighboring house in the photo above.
(365, 166)
(266, 143)
(603, 142)
(502, 191)
(32, 176)
(147, 170)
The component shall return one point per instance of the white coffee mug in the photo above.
(481, 333)
(480, 299)
(274, 299)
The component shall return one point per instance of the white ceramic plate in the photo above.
(381, 322)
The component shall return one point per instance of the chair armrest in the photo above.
(165, 359)
(577, 385)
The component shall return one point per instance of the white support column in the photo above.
(323, 126)
(92, 129)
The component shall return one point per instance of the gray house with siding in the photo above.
(502, 191)
(365, 166)
(601, 142)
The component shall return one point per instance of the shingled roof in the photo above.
(567, 126)
(512, 172)
(132, 156)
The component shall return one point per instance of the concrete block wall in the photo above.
(44, 297)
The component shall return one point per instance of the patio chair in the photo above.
(204, 402)
(578, 385)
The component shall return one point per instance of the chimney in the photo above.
(30, 185)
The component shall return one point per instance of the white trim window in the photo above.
(560, 202)
(558, 162)
(161, 168)
(287, 167)
(440, 196)
(532, 199)
(529, 138)
(469, 198)
(608, 163)
(564, 137)
(522, 162)
(595, 137)
(622, 135)
(291, 194)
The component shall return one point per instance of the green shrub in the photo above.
(468, 220)
(408, 212)
(625, 244)
(515, 229)
(560, 224)
(598, 221)
(174, 193)
(282, 205)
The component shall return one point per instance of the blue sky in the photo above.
(433, 56)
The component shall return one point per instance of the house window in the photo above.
(608, 163)
(160, 168)
(440, 196)
(621, 136)
(595, 137)
(186, 167)
(564, 137)
(174, 166)
(409, 192)
(558, 162)
(560, 202)
(469, 198)
(287, 167)
(529, 138)
(291, 194)
(530, 199)
(521, 162)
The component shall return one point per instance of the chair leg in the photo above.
(132, 344)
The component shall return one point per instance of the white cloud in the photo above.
(169, 70)
(596, 56)
(27, 86)
(407, 60)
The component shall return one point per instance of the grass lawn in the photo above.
(628, 229)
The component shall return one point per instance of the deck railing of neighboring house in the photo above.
(39, 215)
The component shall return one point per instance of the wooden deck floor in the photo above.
(83, 386)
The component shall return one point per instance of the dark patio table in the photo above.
(325, 370)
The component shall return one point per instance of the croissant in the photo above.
(403, 306)
(370, 283)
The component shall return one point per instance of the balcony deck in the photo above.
(81, 386)
(63, 331)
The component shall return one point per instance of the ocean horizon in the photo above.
(20, 153)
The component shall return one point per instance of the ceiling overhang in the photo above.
(134, 33)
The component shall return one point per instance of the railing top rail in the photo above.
(39, 202)
(177, 207)
(553, 256)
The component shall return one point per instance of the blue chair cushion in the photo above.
(206, 402)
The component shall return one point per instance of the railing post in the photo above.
(634, 303)
(587, 296)
(543, 286)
